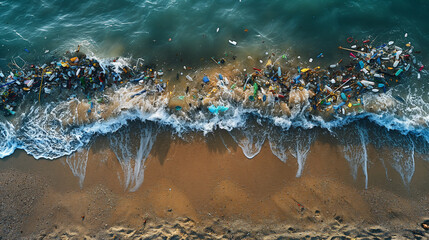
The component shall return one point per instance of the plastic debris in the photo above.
(189, 78)
(206, 79)
(232, 42)
(219, 109)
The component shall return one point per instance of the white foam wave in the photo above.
(301, 147)
(250, 139)
(400, 155)
(77, 163)
(355, 150)
(8, 142)
(132, 158)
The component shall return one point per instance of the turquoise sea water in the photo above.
(143, 29)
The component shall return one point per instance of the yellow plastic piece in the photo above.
(350, 105)
(305, 70)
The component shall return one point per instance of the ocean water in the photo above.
(199, 30)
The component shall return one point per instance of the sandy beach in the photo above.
(203, 188)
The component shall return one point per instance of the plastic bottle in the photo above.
(407, 67)
(377, 75)
(189, 78)
(328, 88)
(226, 80)
(395, 64)
(367, 83)
(398, 54)
(399, 72)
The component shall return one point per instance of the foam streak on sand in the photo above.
(132, 157)
(355, 150)
(77, 163)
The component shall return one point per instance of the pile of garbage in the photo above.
(77, 74)
(337, 89)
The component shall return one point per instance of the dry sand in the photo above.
(200, 189)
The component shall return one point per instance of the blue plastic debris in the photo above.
(206, 79)
(399, 72)
(215, 110)
(339, 105)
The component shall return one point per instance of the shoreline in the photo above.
(203, 181)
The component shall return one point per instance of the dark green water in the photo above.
(124, 28)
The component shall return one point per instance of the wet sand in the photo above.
(201, 188)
